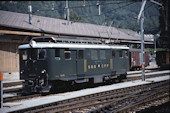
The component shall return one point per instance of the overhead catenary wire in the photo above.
(88, 16)
(74, 7)
(110, 10)
(123, 7)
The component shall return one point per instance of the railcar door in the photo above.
(114, 61)
(123, 63)
(81, 63)
(70, 62)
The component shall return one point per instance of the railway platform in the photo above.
(23, 104)
(11, 81)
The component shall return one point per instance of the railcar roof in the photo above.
(52, 42)
(64, 45)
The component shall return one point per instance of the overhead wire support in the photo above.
(98, 5)
(30, 13)
(141, 10)
(156, 3)
(68, 12)
(74, 7)
(141, 17)
(110, 10)
(84, 3)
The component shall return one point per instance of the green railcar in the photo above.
(48, 62)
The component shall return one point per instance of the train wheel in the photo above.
(120, 78)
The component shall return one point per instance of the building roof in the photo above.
(59, 26)
(135, 34)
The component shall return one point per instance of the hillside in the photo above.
(122, 14)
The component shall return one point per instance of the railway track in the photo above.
(15, 83)
(137, 101)
(21, 97)
(118, 100)
(140, 77)
(16, 86)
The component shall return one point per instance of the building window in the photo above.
(42, 53)
(67, 55)
(120, 54)
(80, 54)
(113, 54)
(94, 55)
(102, 54)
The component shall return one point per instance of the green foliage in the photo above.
(74, 17)
(123, 15)
(151, 50)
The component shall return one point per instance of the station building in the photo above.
(15, 30)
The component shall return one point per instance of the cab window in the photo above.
(42, 53)
(120, 54)
(67, 55)
(57, 54)
(24, 55)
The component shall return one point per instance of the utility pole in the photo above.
(30, 13)
(142, 46)
(84, 4)
(141, 17)
(156, 36)
(68, 12)
(98, 5)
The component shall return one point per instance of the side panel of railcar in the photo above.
(135, 58)
(73, 64)
(62, 63)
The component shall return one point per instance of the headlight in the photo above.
(22, 71)
(43, 71)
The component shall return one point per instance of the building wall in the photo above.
(9, 58)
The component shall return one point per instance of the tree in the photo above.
(74, 17)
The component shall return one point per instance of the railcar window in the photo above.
(80, 54)
(67, 55)
(102, 54)
(25, 55)
(120, 54)
(57, 53)
(113, 54)
(88, 54)
(94, 55)
(42, 53)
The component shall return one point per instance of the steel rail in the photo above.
(19, 97)
(139, 77)
(145, 100)
(20, 82)
(9, 84)
(70, 106)
(99, 99)
(118, 106)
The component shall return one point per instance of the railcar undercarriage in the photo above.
(43, 85)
